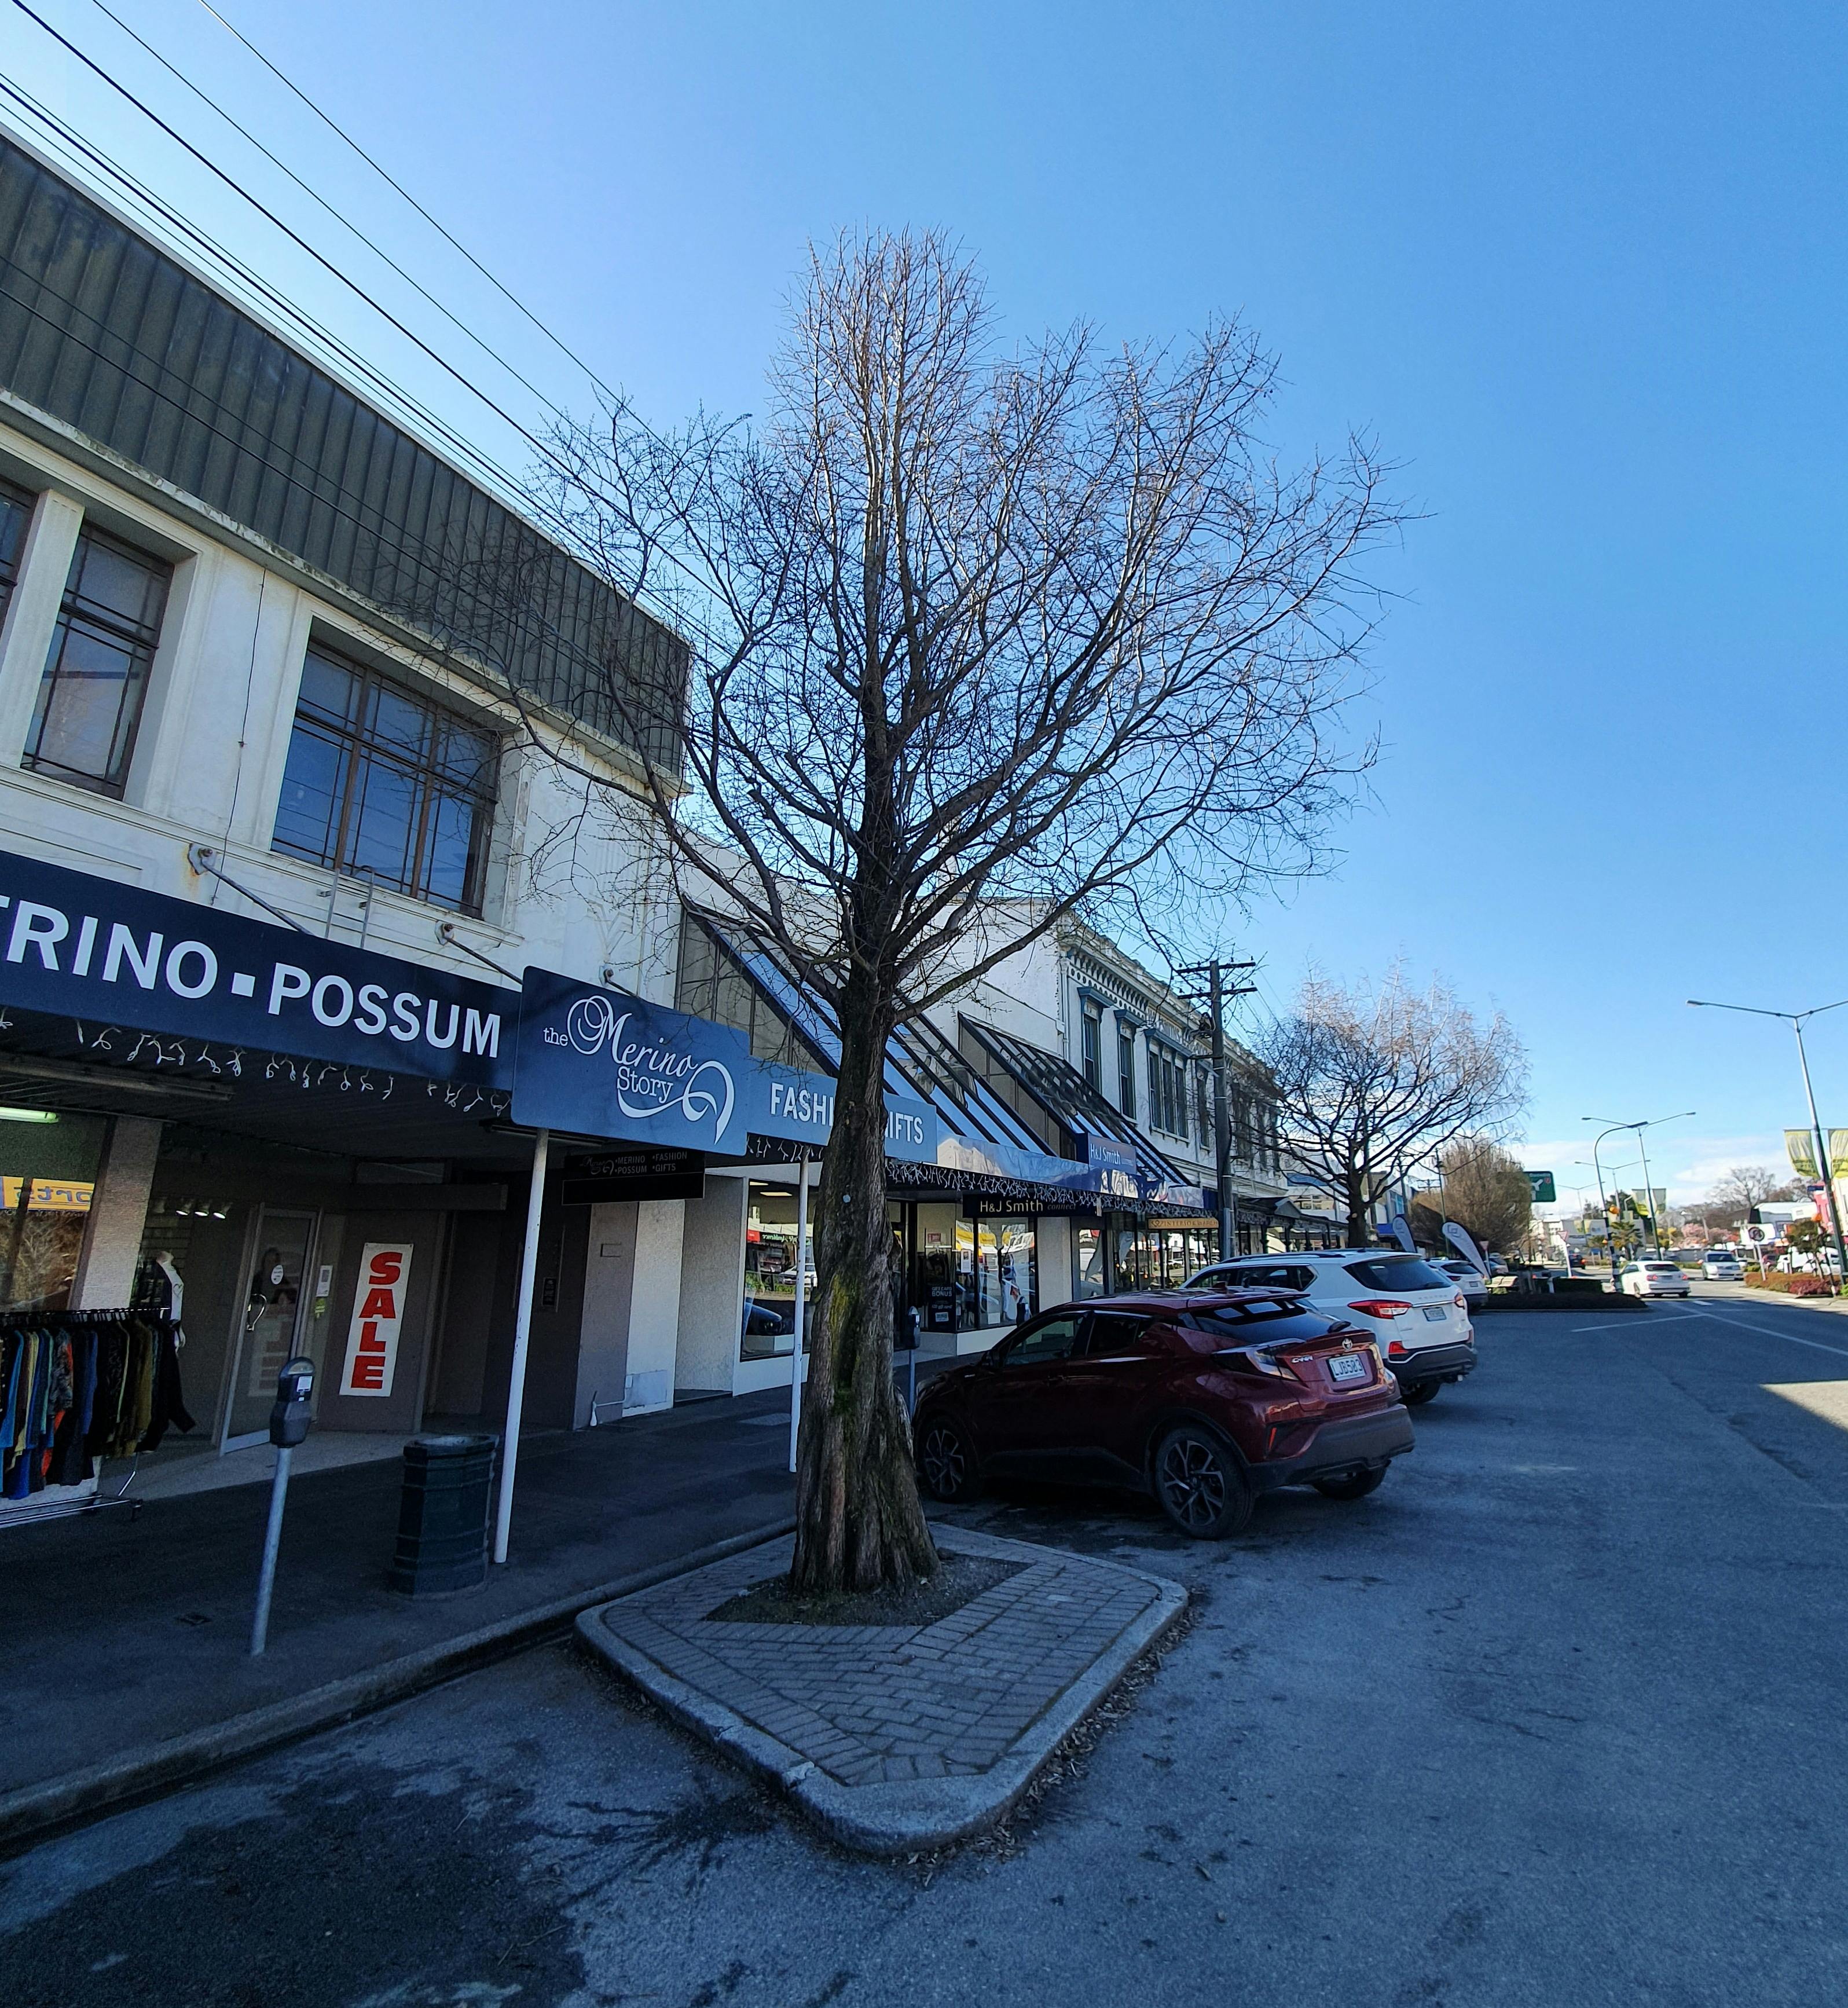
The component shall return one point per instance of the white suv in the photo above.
(1413, 1311)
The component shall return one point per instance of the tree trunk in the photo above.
(1354, 1182)
(859, 1524)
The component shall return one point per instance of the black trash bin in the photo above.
(442, 1515)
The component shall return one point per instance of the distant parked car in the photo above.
(1722, 1265)
(1654, 1279)
(1204, 1398)
(1469, 1279)
(1413, 1311)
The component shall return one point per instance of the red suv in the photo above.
(1204, 1399)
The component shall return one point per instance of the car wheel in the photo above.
(1419, 1393)
(1356, 1485)
(946, 1461)
(1199, 1485)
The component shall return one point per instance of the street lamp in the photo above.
(1592, 1164)
(1824, 1169)
(1648, 1189)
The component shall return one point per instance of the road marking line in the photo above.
(1769, 1331)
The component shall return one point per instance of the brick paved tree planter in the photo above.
(892, 1738)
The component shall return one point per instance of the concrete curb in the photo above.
(29, 1814)
(889, 1819)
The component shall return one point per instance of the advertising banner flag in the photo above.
(1801, 1147)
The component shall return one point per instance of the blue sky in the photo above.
(1580, 268)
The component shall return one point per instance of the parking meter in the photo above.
(289, 1419)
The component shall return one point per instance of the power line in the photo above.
(334, 501)
(340, 133)
(313, 195)
(677, 620)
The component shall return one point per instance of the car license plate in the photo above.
(1348, 1366)
(1438, 1312)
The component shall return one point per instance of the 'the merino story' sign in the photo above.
(598, 1063)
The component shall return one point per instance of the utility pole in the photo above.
(1217, 991)
(1824, 1170)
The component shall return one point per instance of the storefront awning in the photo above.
(1104, 1134)
(980, 1139)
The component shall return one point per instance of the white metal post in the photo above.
(516, 1392)
(801, 1303)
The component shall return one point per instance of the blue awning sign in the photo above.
(89, 949)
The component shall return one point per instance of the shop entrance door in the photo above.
(273, 1301)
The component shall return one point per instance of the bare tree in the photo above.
(1372, 1083)
(979, 638)
(1741, 1189)
(1484, 1189)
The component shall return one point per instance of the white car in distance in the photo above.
(1468, 1279)
(1722, 1265)
(1410, 1309)
(1654, 1279)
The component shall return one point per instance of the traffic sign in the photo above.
(1542, 1181)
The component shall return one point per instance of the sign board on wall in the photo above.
(114, 957)
(598, 1063)
(378, 1313)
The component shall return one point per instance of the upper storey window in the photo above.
(384, 784)
(15, 513)
(90, 695)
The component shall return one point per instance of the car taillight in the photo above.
(1386, 1307)
(1460, 1302)
(1395, 1347)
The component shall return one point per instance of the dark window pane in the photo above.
(446, 875)
(111, 582)
(328, 689)
(1053, 1339)
(399, 722)
(313, 787)
(1396, 1272)
(384, 823)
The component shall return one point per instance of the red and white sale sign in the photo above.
(378, 1311)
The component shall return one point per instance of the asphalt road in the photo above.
(1554, 1718)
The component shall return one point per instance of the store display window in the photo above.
(768, 1325)
(47, 1179)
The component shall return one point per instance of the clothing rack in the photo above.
(28, 1338)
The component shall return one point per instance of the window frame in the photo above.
(1125, 1070)
(361, 750)
(140, 640)
(13, 496)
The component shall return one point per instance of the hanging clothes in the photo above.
(78, 1386)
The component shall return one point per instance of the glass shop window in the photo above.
(48, 1179)
(389, 787)
(1089, 1242)
(768, 1327)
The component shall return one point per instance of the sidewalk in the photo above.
(128, 1635)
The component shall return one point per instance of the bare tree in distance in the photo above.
(980, 637)
(1741, 1188)
(1373, 1082)
(1484, 1189)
